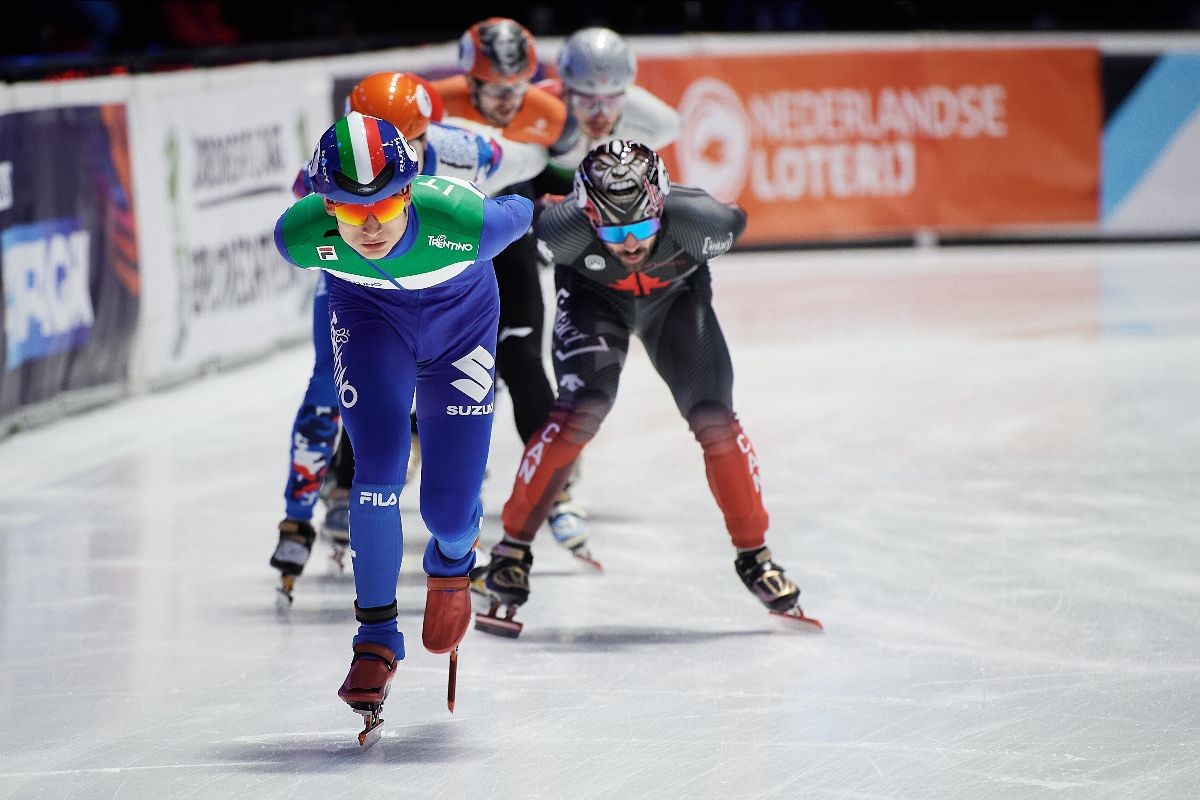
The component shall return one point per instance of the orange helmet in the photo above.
(407, 101)
(498, 50)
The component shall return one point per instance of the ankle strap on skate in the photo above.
(298, 530)
(375, 613)
(448, 584)
(511, 550)
(377, 651)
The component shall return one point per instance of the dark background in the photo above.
(72, 38)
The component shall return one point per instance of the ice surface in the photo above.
(981, 466)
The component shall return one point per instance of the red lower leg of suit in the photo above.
(546, 468)
(732, 469)
(729, 462)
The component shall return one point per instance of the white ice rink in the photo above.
(982, 467)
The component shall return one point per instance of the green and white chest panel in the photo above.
(448, 213)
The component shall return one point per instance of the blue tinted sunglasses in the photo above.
(615, 234)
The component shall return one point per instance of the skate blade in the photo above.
(797, 621)
(499, 626)
(587, 558)
(372, 728)
(338, 557)
(283, 594)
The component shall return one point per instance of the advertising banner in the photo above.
(853, 144)
(68, 253)
(1152, 145)
(220, 167)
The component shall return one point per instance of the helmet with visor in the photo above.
(363, 165)
(622, 186)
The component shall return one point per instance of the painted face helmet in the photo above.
(498, 50)
(596, 61)
(401, 98)
(364, 166)
(622, 186)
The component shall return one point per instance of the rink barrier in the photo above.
(159, 192)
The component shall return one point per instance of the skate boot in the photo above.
(367, 685)
(336, 527)
(766, 581)
(568, 523)
(296, 537)
(447, 616)
(503, 582)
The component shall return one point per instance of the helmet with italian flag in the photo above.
(362, 160)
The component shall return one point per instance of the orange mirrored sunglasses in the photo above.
(384, 210)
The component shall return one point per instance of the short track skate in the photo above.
(568, 523)
(488, 609)
(338, 557)
(366, 687)
(447, 617)
(291, 554)
(336, 528)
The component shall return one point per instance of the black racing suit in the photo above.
(668, 306)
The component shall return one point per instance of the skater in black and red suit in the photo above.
(632, 257)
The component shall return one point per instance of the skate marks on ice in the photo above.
(336, 751)
(607, 638)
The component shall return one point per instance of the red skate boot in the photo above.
(366, 687)
(447, 615)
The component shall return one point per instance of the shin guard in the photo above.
(376, 541)
(732, 469)
(546, 467)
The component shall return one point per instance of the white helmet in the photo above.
(596, 61)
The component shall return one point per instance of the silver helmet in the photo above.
(596, 61)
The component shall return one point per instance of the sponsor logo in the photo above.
(347, 394)
(470, 411)
(714, 151)
(571, 382)
(47, 299)
(442, 243)
(477, 365)
(533, 456)
(232, 274)
(829, 142)
(6, 187)
(229, 167)
(327, 252)
(569, 340)
(594, 262)
(378, 499)
(715, 247)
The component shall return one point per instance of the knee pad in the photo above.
(581, 421)
(715, 427)
(450, 515)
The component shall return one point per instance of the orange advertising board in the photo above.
(854, 144)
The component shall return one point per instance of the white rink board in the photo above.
(227, 146)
